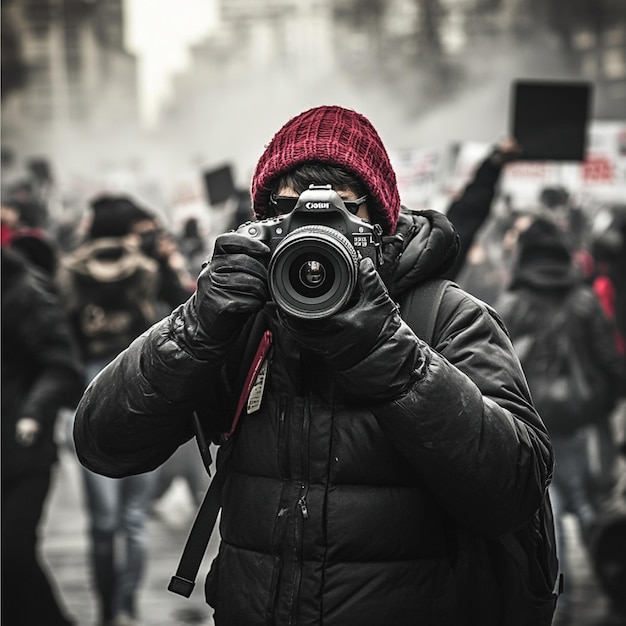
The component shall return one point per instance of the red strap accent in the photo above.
(257, 361)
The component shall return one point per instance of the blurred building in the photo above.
(397, 39)
(66, 74)
(601, 52)
(591, 35)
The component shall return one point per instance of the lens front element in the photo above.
(313, 272)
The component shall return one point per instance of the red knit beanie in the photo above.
(342, 137)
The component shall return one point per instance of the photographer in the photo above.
(367, 468)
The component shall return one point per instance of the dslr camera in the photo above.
(316, 250)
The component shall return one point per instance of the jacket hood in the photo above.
(424, 247)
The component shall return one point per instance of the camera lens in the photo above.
(313, 272)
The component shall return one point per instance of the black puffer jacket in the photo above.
(398, 494)
(40, 368)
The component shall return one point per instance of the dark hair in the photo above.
(542, 240)
(553, 197)
(300, 177)
(114, 216)
(35, 246)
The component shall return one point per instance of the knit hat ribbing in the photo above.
(342, 137)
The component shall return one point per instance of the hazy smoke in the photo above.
(231, 122)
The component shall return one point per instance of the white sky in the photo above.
(159, 33)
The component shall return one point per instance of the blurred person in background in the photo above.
(555, 321)
(608, 278)
(193, 245)
(32, 242)
(41, 373)
(469, 212)
(487, 270)
(608, 253)
(108, 284)
(175, 283)
(110, 288)
(31, 207)
(558, 202)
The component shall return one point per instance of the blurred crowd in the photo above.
(75, 292)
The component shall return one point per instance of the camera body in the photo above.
(316, 250)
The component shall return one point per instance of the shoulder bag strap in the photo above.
(420, 305)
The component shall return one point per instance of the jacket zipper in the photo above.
(303, 512)
(304, 509)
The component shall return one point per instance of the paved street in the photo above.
(65, 549)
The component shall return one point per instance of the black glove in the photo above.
(231, 288)
(373, 352)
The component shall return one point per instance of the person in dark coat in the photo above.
(109, 288)
(367, 475)
(41, 373)
(548, 303)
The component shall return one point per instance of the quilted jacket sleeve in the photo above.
(138, 410)
(467, 424)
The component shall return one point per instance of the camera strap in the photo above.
(184, 580)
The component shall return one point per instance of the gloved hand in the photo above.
(231, 288)
(373, 352)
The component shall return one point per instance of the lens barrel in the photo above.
(313, 272)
